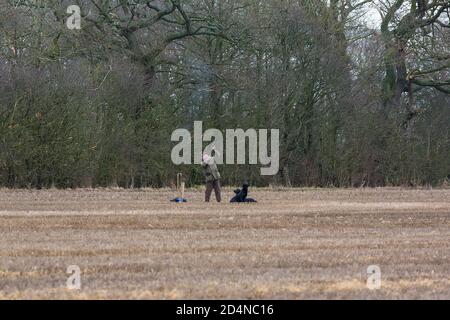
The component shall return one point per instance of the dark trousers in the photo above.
(209, 188)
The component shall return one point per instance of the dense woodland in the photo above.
(359, 89)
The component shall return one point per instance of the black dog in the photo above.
(241, 195)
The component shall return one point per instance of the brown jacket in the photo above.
(211, 171)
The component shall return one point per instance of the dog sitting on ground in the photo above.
(241, 195)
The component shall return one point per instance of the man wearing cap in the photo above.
(212, 177)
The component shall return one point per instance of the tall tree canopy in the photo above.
(360, 89)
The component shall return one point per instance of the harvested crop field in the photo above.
(293, 244)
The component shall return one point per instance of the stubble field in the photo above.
(293, 244)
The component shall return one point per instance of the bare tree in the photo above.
(403, 23)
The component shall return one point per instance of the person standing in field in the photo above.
(212, 177)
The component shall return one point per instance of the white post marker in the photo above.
(182, 190)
